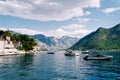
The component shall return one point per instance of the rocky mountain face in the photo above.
(53, 42)
(102, 39)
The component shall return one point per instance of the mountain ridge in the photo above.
(102, 38)
(47, 42)
(53, 42)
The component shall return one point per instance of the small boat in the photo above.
(85, 52)
(50, 53)
(71, 53)
(76, 54)
(98, 57)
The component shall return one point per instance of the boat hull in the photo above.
(98, 58)
(69, 54)
(50, 53)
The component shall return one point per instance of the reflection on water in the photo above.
(26, 61)
(25, 66)
(58, 67)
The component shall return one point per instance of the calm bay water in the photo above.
(58, 67)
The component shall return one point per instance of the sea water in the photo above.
(58, 67)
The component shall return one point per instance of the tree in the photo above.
(15, 37)
(1, 33)
(27, 42)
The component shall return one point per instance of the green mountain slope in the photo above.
(102, 38)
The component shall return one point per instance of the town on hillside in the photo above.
(13, 44)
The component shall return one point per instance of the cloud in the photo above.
(74, 30)
(74, 26)
(57, 33)
(110, 10)
(23, 31)
(46, 10)
(26, 31)
(87, 12)
(82, 20)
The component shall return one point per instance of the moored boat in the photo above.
(85, 52)
(50, 53)
(71, 53)
(98, 57)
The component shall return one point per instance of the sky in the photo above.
(58, 18)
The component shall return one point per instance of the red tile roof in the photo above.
(1, 39)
